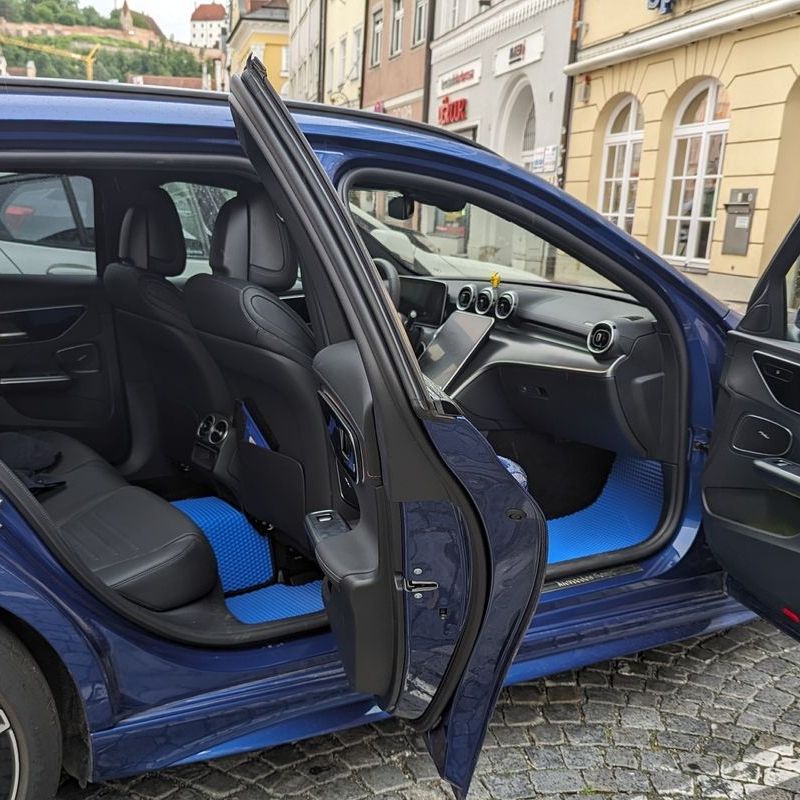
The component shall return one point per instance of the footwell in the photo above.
(625, 514)
(246, 570)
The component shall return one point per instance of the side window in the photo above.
(467, 241)
(46, 224)
(198, 205)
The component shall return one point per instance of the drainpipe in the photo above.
(365, 37)
(426, 88)
(566, 126)
(323, 49)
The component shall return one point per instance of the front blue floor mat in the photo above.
(244, 561)
(625, 514)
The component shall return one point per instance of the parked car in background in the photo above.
(237, 510)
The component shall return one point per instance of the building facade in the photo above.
(395, 76)
(497, 76)
(343, 51)
(260, 28)
(209, 25)
(683, 127)
(305, 79)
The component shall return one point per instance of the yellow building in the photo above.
(260, 27)
(343, 51)
(684, 128)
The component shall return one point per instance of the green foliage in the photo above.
(115, 61)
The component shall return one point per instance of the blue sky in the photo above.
(172, 16)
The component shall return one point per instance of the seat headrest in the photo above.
(151, 237)
(251, 243)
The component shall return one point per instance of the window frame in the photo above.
(419, 25)
(396, 31)
(705, 130)
(628, 139)
(376, 40)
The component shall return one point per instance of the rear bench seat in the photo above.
(133, 540)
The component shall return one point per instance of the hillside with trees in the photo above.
(117, 58)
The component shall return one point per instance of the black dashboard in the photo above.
(582, 365)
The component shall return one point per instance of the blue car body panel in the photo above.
(150, 703)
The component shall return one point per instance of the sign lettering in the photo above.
(451, 111)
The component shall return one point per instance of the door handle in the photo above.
(34, 381)
(11, 333)
(780, 473)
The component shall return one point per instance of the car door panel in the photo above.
(432, 580)
(751, 484)
(58, 362)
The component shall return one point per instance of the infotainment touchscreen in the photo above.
(452, 345)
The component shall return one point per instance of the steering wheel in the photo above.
(391, 279)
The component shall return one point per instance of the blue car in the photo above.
(414, 425)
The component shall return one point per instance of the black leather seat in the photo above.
(151, 315)
(134, 541)
(265, 351)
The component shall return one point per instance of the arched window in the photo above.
(698, 150)
(529, 136)
(622, 155)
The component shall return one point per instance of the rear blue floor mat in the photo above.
(243, 554)
(276, 602)
(244, 559)
(625, 514)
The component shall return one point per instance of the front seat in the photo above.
(155, 332)
(265, 351)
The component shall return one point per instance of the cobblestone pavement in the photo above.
(714, 717)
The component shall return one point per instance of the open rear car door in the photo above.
(751, 485)
(431, 582)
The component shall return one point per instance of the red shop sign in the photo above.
(452, 111)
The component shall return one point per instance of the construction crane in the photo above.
(87, 58)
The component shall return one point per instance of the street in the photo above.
(713, 717)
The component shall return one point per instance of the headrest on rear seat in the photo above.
(151, 237)
(251, 243)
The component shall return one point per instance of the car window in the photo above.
(198, 205)
(467, 242)
(46, 224)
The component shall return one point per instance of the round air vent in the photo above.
(601, 338)
(506, 304)
(484, 301)
(219, 432)
(466, 296)
(205, 427)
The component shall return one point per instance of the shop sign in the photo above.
(519, 53)
(662, 6)
(459, 78)
(451, 111)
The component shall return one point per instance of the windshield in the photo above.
(466, 241)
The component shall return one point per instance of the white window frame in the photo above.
(396, 39)
(358, 51)
(284, 61)
(342, 61)
(419, 28)
(330, 69)
(376, 40)
(705, 130)
(627, 139)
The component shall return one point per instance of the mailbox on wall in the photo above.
(739, 221)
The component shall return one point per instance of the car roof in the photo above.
(56, 100)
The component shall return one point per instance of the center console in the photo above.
(215, 447)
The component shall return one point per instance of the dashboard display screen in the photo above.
(424, 296)
(452, 345)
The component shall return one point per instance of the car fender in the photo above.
(24, 598)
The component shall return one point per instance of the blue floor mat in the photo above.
(277, 602)
(244, 560)
(625, 514)
(243, 554)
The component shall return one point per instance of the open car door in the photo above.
(751, 485)
(432, 577)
